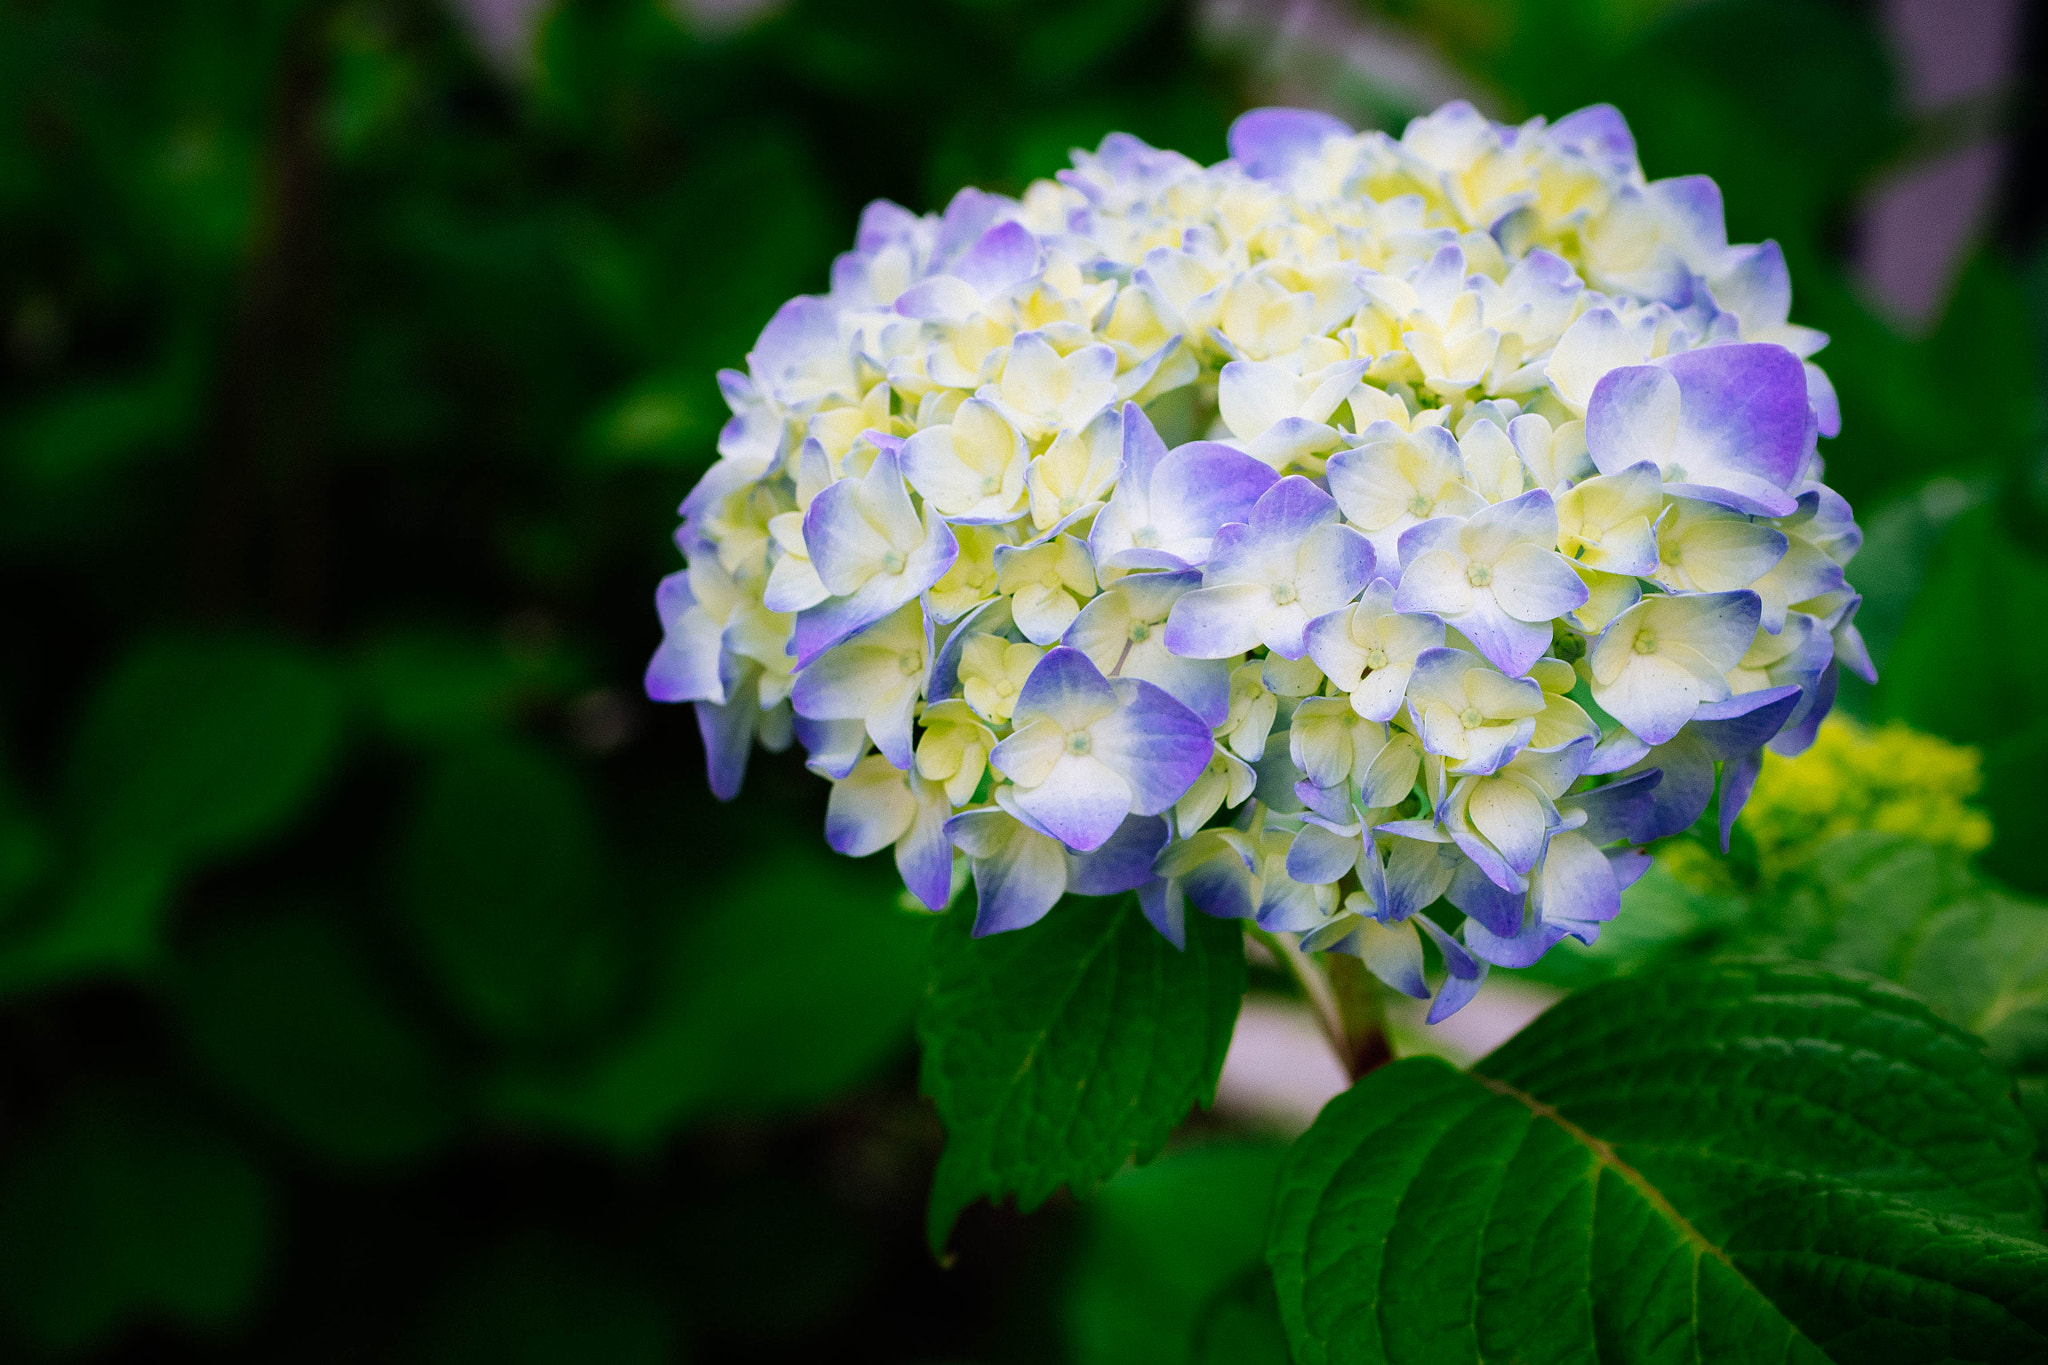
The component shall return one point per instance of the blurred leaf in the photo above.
(430, 686)
(1840, 1176)
(536, 1301)
(1157, 1243)
(286, 1014)
(197, 747)
(781, 991)
(768, 1260)
(1057, 1053)
(192, 749)
(121, 1207)
(1982, 588)
(502, 888)
(1240, 1324)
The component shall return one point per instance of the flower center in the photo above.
(1646, 642)
(1673, 553)
(1140, 632)
(1051, 580)
(1470, 718)
(910, 663)
(991, 484)
(1479, 575)
(1146, 537)
(1078, 743)
(1418, 506)
(1376, 659)
(1283, 593)
(893, 562)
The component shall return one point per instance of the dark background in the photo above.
(378, 981)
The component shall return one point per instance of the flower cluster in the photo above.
(1354, 524)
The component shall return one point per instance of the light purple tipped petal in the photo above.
(1577, 882)
(1509, 645)
(924, 855)
(1334, 565)
(1023, 875)
(1290, 509)
(868, 811)
(1537, 585)
(832, 746)
(1081, 802)
(1418, 874)
(1267, 142)
(1143, 450)
(1216, 623)
(1319, 856)
(1633, 416)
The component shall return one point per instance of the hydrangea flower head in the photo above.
(1358, 523)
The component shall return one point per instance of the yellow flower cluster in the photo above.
(1890, 778)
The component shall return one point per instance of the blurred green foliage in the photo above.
(375, 971)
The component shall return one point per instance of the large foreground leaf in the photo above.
(1057, 1053)
(1731, 1163)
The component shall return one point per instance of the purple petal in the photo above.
(1599, 133)
(1290, 509)
(1005, 255)
(1734, 727)
(728, 734)
(1738, 780)
(832, 746)
(1577, 882)
(1523, 948)
(1154, 743)
(1216, 623)
(1319, 856)
(1166, 910)
(1509, 645)
(1063, 684)
(1021, 875)
(1201, 486)
(1621, 810)
(1742, 408)
(1267, 142)
(1124, 863)
(1143, 450)
(1686, 787)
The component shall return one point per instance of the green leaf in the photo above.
(1158, 1243)
(122, 1207)
(1059, 1052)
(788, 988)
(287, 1015)
(1731, 1163)
(503, 891)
